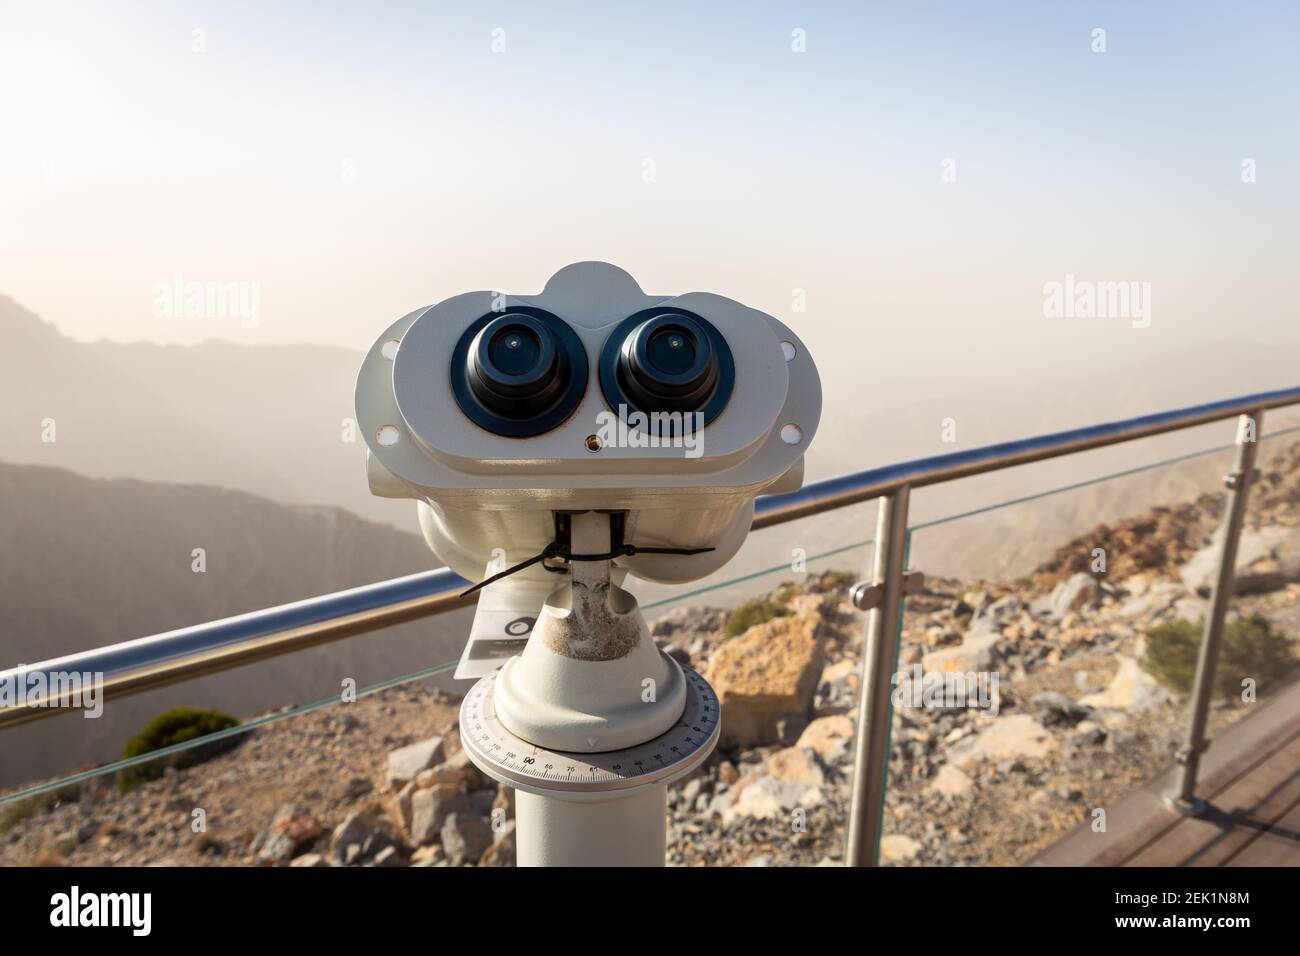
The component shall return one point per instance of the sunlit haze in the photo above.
(914, 177)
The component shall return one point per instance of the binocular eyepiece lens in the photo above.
(515, 365)
(667, 360)
(671, 350)
(515, 350)
(519, 373)
(668, 364)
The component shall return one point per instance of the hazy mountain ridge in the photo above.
(87, 562)
(264, 419)
(269, 419)
(100, 538)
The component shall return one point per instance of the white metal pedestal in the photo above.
(626, 831)
(590, 809)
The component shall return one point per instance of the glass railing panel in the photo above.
(1028, 700)
(312, 784)
(1260, 650)
(782, 648)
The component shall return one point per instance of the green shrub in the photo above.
(757, 611)
(839, 579)
(12, 813)
(1250, 649)
(825, 582)
(786, 593)
(175, 727)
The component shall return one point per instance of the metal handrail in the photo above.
(175, 656)
(180, 655)
(832, 493)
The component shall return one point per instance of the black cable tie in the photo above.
(547, 552)
(552, 550)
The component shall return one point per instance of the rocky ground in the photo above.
(1079, 722)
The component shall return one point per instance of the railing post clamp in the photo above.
(1232, 480)
(867, 596)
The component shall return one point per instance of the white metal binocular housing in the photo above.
(588, 432)
(494, 412)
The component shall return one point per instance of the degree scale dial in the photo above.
(517, 763)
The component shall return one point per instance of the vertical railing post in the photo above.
(882, 597)
(1183, 798)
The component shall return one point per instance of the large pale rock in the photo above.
(767, 673)
(829, 737)
(951, 782)
(1150, 602)
(840, 682)
(502, 850)
(1131, 689)
(999, 612)
(845, 673)
(1012, 736)
(430, 809)
(767, 798)
(796, 765)
(465, 838)
(457, 770)
(292, 829)
(351, 836)
(404, 805)
(1072, 594)
(897, 848)
(974, 653)
(405, 764)
(1267, 559)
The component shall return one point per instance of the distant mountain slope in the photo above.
(87, 562)
(268, 420)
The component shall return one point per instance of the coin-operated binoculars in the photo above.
(555, 444)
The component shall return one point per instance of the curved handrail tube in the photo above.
(832, 493)
(180, 655)
(175, 656)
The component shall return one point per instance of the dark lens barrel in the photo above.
(668, 363)
(519, 373)
(516, 367)
(666, 359)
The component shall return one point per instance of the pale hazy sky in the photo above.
(354, 161)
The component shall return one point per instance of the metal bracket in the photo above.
(1232, 480)
(1185, 753)
(867, 596)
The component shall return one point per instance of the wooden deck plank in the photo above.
(1236, 816)
(1279, 845)
(1141, 817)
